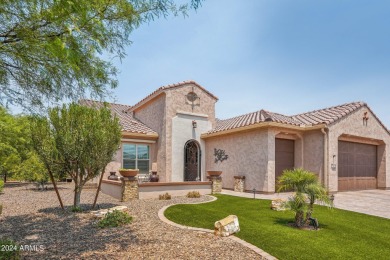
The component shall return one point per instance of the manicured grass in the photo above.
(343, 234)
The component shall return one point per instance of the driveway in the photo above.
(372, 202)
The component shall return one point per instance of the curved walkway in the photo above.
(262, 253)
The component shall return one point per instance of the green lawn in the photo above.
(343, 235)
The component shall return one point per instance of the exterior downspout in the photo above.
(325, 172)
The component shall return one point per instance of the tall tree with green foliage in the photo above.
(76, 140)
(307, 191)
(14, 142)
(54, 49)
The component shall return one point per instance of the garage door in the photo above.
(284, 156)
(357, 166)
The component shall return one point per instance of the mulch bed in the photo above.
(34, 218)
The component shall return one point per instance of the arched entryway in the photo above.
(192, 155)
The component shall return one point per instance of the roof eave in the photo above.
(263, 125)
(152, 136)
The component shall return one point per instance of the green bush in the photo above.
(76, 209)
(193, 194)
(9, 250)
(165, 196)
(116, 218)
(1, 185)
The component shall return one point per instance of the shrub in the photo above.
(76, 209)
(9, 250)
(193, 194)
(165, 196)
(115, 218)
(1, 185)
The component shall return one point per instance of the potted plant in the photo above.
(220, 156)
(128, 172)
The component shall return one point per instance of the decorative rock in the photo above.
(227, 226)
(101, 213)
(239, 183)
(278, 204)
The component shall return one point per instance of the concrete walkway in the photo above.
(372, 202)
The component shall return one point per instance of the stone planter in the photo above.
(214, 173)
(129, 172)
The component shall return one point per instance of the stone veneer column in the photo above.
(129, 188)
(216, 184)
(239, 183)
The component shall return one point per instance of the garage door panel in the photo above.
(357, 166)
(284, 156)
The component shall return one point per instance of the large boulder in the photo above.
(278, 204)
(227, 226)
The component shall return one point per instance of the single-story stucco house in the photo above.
(175, 129)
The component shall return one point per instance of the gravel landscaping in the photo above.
(33, 217)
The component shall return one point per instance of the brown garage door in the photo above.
(357, 166)
(284, 156)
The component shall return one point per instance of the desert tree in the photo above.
(76, 140)
(56, 49)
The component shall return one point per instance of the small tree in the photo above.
(76, 140)
(307, 191)
(32, 170)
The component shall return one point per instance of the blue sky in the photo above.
(285, 56)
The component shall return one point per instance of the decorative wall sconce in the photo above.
(334, 157)
(194, 124)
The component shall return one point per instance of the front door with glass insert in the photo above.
(192, 161)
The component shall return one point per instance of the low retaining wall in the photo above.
(152, 190)
(112, 188)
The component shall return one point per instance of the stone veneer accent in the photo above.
(239, 183)
(216, 184)
(129, 188)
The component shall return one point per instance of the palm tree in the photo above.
(307, 191)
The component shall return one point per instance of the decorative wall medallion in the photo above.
(192, 99)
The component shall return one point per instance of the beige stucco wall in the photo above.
(248, 155)
(353, 125)
(313, 153)
(153, 115)
(176, 102)
(159, 113)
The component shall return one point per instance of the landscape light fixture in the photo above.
(194, 124)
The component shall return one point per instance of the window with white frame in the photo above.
(136, 156)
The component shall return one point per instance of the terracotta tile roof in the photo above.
(322, 116)
(126, 120)
(163, 88)
(328, 115)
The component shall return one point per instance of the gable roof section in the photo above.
(325, 116)
(162, 89)
(328, 115)
(126, 120)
